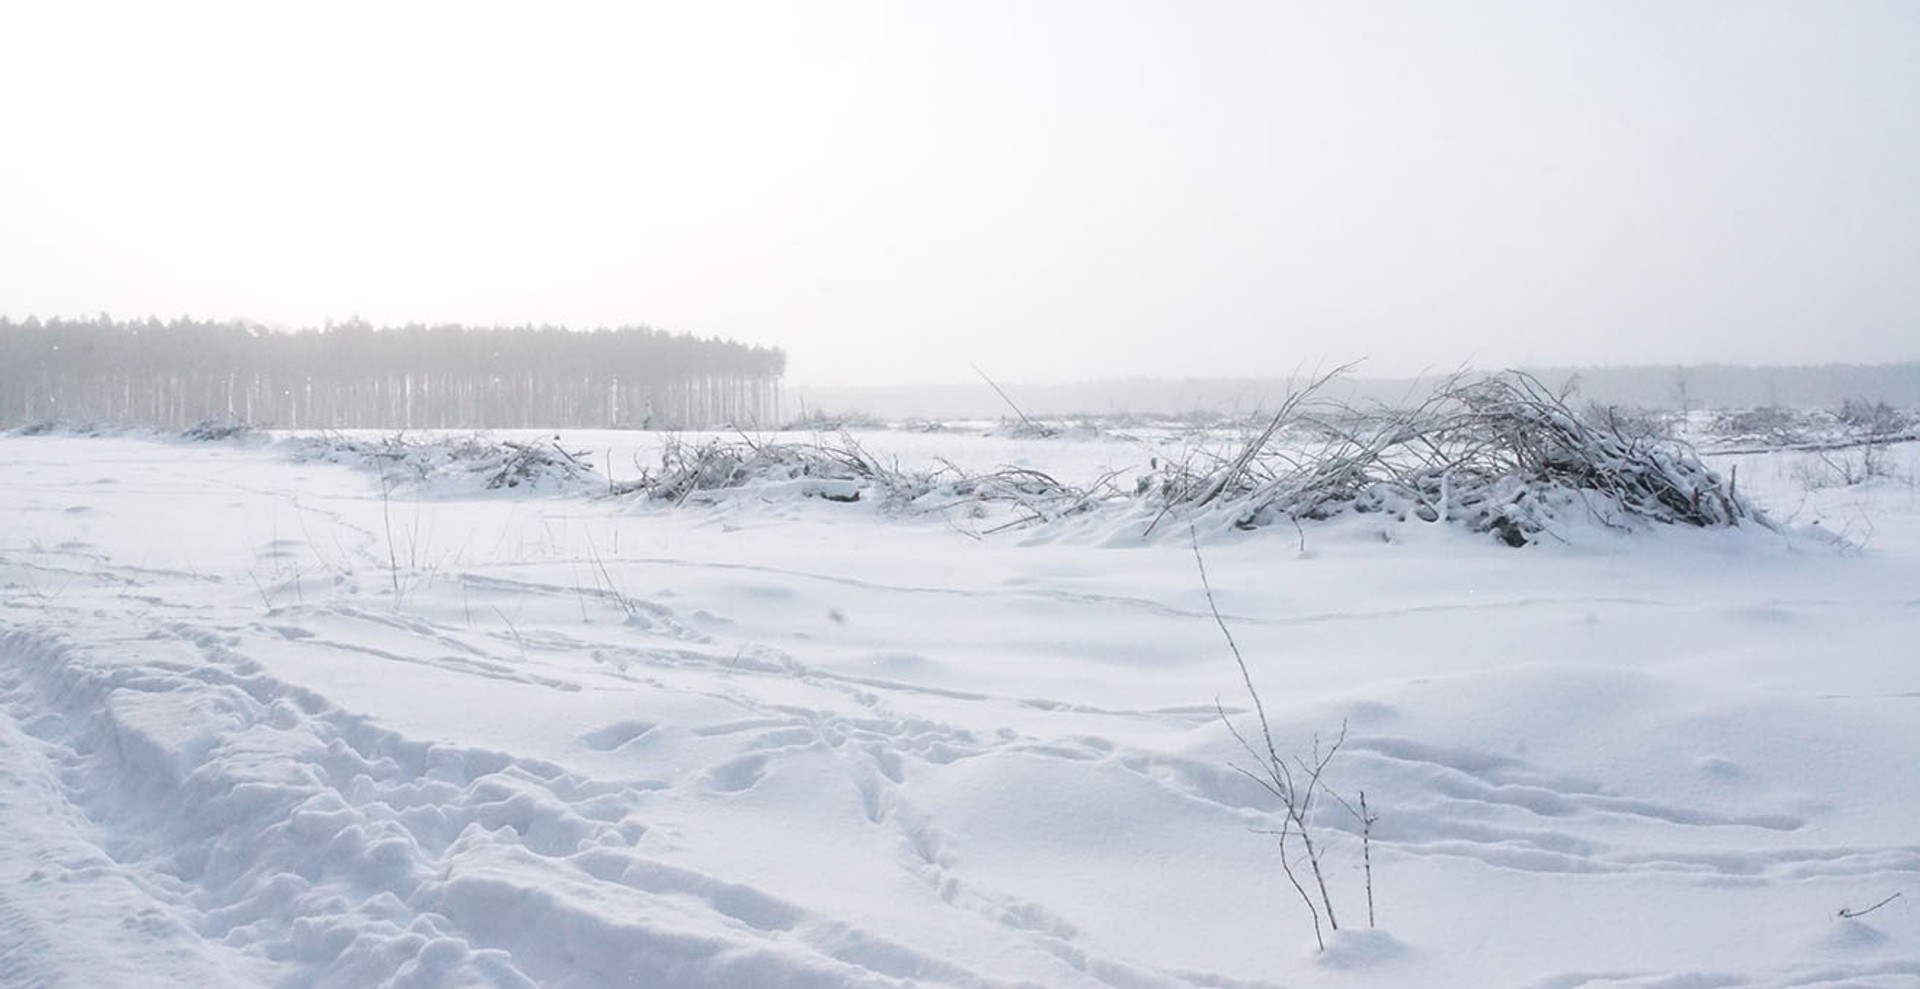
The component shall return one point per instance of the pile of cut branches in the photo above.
(841, 470)
(213, 430)
(494, 464)
(507, 464)
(835, 472)
(1855, 423)
(1500, 454)
(51, 427)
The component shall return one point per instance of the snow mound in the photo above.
(1360, 950)
(1850, 935)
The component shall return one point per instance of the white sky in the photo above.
(1054, 191)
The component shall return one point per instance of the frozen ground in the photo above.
(264, 725)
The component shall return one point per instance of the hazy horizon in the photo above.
(1056, 193)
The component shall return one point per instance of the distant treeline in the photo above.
(352, 375)
(1648, 387)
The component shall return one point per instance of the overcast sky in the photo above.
(1053, 191)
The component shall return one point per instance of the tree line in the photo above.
(184, 371)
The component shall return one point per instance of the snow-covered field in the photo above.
(268, 721)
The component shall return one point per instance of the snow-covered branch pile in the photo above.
(842, 470)
(217, 430)
(837, 472)
(1499, 454)
(59, 427)
(458, 463)
(1855, 423)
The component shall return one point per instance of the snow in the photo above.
(267, 719)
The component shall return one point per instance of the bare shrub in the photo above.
(1299, 784)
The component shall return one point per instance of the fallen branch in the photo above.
(1851, 914)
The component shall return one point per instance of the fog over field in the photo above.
(1055, 192)
(1083, 493)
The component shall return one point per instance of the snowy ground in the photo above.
(276, 723)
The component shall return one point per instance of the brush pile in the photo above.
(841, 470)
(217, 430)
(1499, 454)
(61, 427)
(689, 471)
(457, 464)
(1855, 423)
